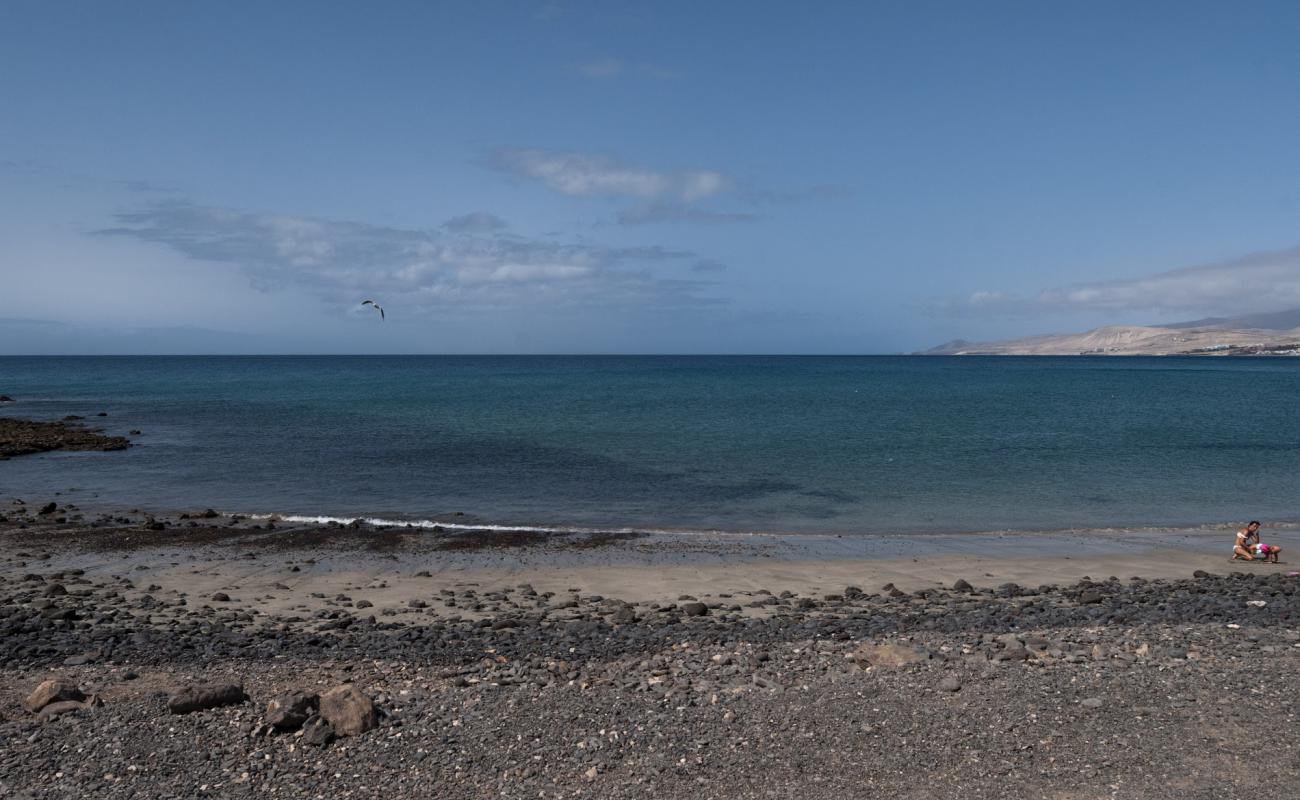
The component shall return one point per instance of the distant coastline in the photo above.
(1276, 334)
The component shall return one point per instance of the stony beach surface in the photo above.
(198, 656)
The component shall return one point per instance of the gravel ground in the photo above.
(1111, 688)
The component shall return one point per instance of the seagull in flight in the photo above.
(376, 305)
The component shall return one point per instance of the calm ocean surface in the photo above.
(825, 444)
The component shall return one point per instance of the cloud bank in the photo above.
(1259, 282)
(465, 264)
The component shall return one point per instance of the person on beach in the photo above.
(1248, 545)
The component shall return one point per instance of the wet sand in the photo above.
(287, 567)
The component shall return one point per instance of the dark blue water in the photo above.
(865, 444)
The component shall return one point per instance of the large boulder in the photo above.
(696, 609)
(55, 690)
(290, 710)
(202, 697)
(889, 654)
(348, 711)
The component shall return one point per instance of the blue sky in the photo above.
(639, 177)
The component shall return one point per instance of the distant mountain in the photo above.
(1260, 334)
(1277, 321)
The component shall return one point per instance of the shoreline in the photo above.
(626, 563)
(523, 666)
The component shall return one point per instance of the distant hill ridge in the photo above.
(1276, 321)
(1275, 333)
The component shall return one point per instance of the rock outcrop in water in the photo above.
(19, 437)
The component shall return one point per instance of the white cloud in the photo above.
(340, 261)
(1258, 283)
(593, 175)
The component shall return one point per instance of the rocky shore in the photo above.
(19, 437)
(124, 675)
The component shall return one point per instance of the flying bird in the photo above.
(376, 305)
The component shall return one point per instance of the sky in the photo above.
(540, 176)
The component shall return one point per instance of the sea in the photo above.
(844, 445)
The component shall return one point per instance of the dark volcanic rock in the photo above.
(695, 609)
(317, 732)
(22, 437)
(200, 698)
(289, 711)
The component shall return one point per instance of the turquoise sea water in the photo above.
(824, 444)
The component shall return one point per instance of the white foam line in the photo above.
(561, 529)
(464, 526)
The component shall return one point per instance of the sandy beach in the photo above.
(615, 665)
(391, 566)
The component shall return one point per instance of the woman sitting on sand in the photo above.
(1248, 545)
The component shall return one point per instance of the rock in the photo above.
(695, 609)
(1012, 652)
(317, 732)
(48, 508)
(1092, 702)
(1089, 597)
(23, 437)
(626, 616)
(62, 707)
(202, 697)
(889, 654)
(962, 586)
(950, 683)
(364, 604)
(55, 690)
(289, 711)
(1200, 573)
(348, 711)
(4, 398)
(221, 597)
